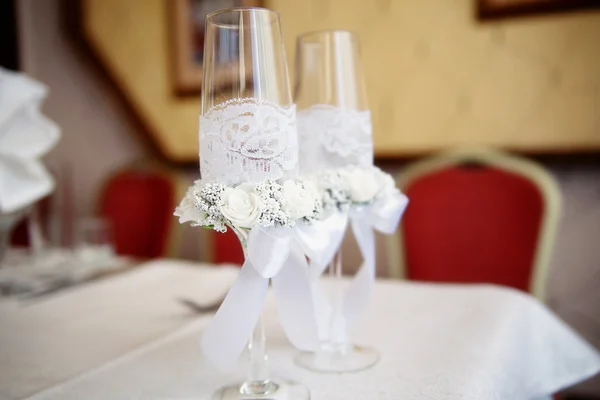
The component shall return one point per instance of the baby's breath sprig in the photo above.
(335, 191)
(271, 197)
(206, 199)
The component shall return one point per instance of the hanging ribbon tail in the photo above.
(358, 293)
(268, 249)
(292, 291)
(320, 241)
(230, 329)
(385, 215)
(323, 309)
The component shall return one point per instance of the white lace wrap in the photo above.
(334, 137)
(248, 140)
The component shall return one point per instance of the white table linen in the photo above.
(438, 342)
(53, 339)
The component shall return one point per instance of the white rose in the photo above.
(299, 201)
(187, 212)
(241, 205)
(363, 185)
(312, 186)
(386, 181)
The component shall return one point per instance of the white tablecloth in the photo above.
(438, 342)
(53, 339)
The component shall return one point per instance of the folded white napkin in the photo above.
(25, 136)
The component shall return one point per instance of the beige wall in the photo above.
(98, 138)
(437, 77)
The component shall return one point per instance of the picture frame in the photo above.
(186, 22)
(501, 9)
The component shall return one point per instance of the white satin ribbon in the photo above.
(321, 240)
(384, 217)
(275, 254)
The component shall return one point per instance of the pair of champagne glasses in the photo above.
(244, 57)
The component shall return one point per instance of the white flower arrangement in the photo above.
(353, 186)
(266, 204)
(270, 203)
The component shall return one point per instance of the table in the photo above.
(439, 342)
(56, 338)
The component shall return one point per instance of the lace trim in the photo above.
(248, 140)
(334, 137)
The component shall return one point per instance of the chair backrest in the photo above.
(140, 202)
(222, 248)
(477, 216)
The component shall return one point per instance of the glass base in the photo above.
(339, 359)
(267, 390)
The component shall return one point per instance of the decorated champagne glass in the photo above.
(249, 170)
(336, 150)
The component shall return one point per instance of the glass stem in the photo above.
(257, 352)
(36, 236)
(4, 239)
(257, 382)
(337, 327)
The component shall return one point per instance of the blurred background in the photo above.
(521, 76)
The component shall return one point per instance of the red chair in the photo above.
(140, 202)
(223, 248)
(477, 217)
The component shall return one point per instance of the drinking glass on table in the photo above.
(247, 134)
(93, 240)
(334, 130)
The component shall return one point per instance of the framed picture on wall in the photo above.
(186, 19)
(495, 9)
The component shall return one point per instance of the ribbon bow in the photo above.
(321, 240)
(275, 254)
(383, 216)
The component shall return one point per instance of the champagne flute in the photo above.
(334, 129)
(248, 134)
